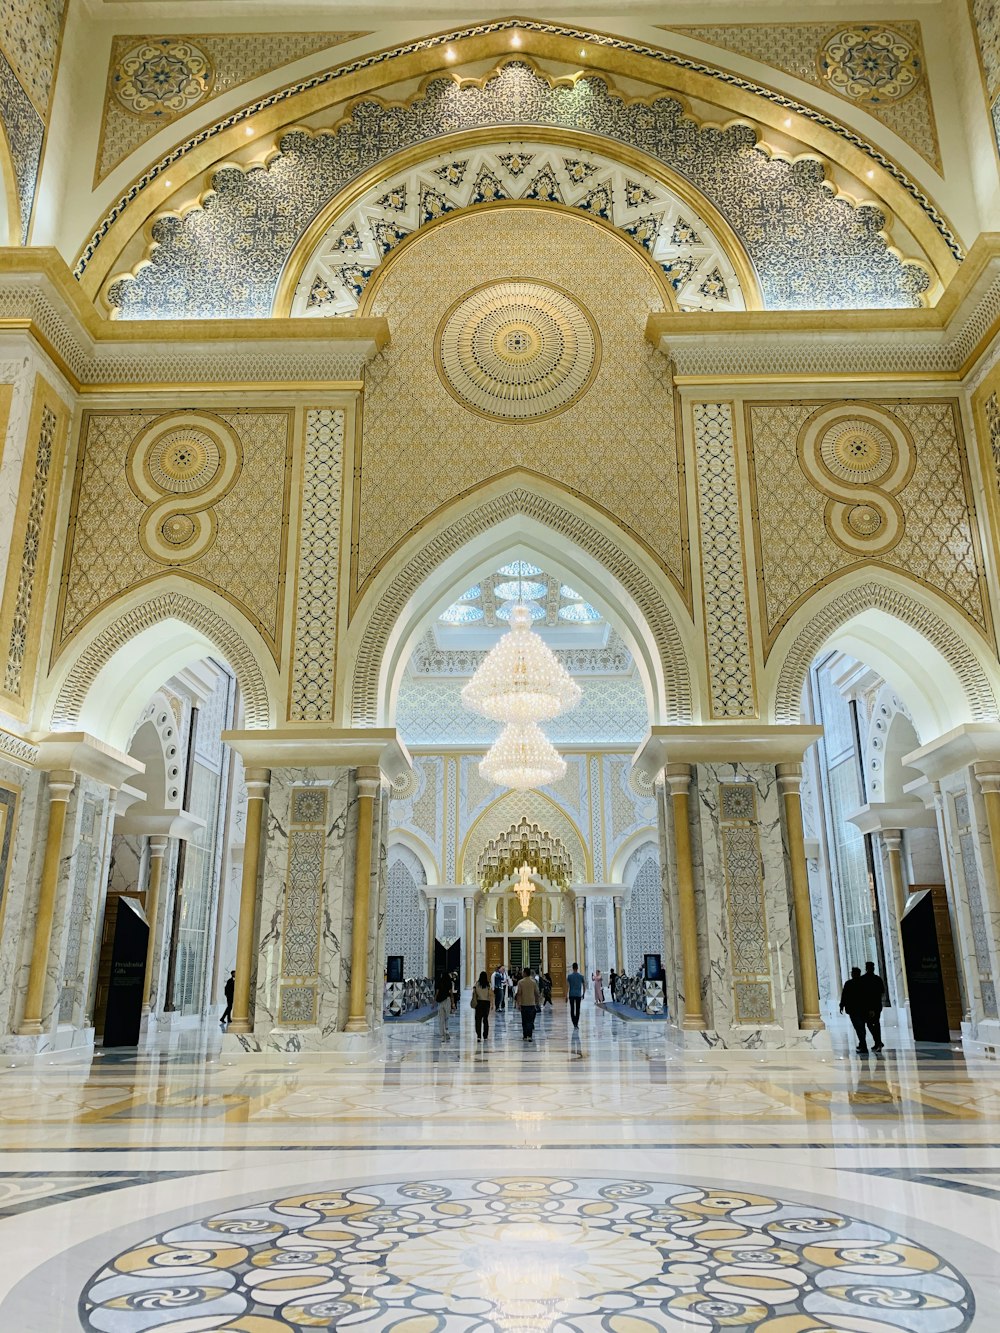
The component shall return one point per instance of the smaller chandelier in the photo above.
(524, 844)
(522, 757)
(524, 890)
(521, 679)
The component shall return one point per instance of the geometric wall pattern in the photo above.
(986, 20)
(694, 263)
(798, 545)
(880, 69)
(642, 918)
(153, 81)
(30, 35)
(405, 913)
(245, 558)
(742, 868)
(303, 904)
(809, 247)
(405, 403)
(315, 635)
(723, 577)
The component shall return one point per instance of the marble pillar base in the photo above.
(298, 1041)
(65, 1038)
(982, 1039)
(764, 1038)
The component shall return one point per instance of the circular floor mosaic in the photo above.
(523, 1254)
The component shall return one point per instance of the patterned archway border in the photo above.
(427, 55)
(168, 606)
(875, 596)
(576, 529)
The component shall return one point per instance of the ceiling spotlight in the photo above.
(516, 39)
(583, 55)
(449, 54)
(871, 175)
(168, 184)
(788, 122)
(248, 130)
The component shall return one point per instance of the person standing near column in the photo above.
(528, 999)
(230, 991)
(499, 989)
(442, 994)
(874, 991)
(481, 1004)
(576, 985)
(853, 1003)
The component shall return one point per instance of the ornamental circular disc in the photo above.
(160, 80)
(858, 451)
(184, 460)
(178, 530)
(870, 64)
(517, 350)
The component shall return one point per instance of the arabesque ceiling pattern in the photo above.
(811, 247)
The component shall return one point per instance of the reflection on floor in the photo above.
(597, 1180)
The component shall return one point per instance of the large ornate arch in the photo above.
(907, 607)
(187, 268)
(735, 95)
(388, 597)
(168, 605)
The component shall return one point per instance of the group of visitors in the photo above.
(862, 1000)
(504, 984)
(527, 991)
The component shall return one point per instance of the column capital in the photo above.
(157, 844)
(789, 778)
(60, 785)
(369, 780)
(678, 778)
(893, 839)
(470, 902)
(257, 782)
(987, 775)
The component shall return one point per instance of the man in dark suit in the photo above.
(853, 1003)
(874, 992)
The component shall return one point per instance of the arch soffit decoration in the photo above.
(563, 824)
(658, 187)
(154, 741)
(403, 840)
(744, 106)
(144, 615)
(636, 842)
(848, 605)
(391, 596)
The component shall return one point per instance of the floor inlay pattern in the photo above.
(526, 1253)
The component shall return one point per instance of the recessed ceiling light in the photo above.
(583, 55)
(449, 54)
(249, 129)
(168, 184)
(516, 39)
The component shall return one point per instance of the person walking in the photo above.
(613, 983)
(854, 1003)
(576, 984)
(529, 1001)
(874, 991)
(546, 985)
(481, 1004)
(229, 990)
(442, 995)
(598, 987)
(455, 991)
(499, 989)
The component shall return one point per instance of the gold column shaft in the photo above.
(157, 850)
(470, 940)
(368, 784)
(789, 781)
(431, 933)
(256, 783)
(60, 789)
(893, 840)
(678, 777)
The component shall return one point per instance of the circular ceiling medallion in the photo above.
(517, 350)
(857, 450)
(185, 460)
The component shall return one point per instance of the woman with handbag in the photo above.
(481, 996)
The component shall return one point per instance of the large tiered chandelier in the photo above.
(524, 844)
(521, 679)
(521, 682)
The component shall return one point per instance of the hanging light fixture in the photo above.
(521, 680)
(524, 890)
(522, 757)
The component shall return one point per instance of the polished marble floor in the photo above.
(598, 1180)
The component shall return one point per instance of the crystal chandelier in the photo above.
(522, 757)
(521, 680)
(524, 890)
(528, 845)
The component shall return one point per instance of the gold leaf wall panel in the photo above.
(243, 554)
(615, 445)
(801, 542)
